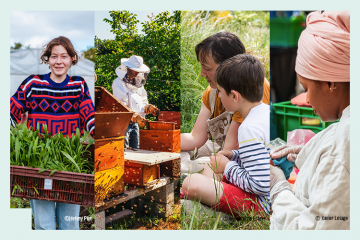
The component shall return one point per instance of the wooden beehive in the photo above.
(112, 116)
(171, 168)
(109, 183)
(140, 174)
(170, 116)
(109, 153)
(161, 136)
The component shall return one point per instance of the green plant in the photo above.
(91, 211)
(16, 202)
(42, 150)
(159, 45)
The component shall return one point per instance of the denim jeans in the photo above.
(67, 215)
(132, 136)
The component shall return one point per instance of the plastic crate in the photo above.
(66, 187)
(288, 117)
(284, 32)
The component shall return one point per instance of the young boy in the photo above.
(245, 172)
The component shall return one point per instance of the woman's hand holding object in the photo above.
(290, 151)
(278, 182)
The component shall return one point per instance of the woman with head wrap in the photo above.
(321, 195)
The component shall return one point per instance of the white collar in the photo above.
(345, 113)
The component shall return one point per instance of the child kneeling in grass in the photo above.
(237, 175)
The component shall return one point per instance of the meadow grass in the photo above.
(251, 27)
(196, 218)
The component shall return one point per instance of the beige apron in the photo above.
(193, 161)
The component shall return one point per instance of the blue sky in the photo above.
(36, 28)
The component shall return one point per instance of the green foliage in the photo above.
(159, 45)
(89, 54)
(251, 27)
(19, 46)
(30, 148)
(16, 202)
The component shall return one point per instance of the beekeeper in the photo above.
(321, 195)
(128, 87)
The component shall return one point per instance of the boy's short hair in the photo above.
(242, 73)
(220, 46)
(63, 41)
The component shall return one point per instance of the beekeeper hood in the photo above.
(324, 47)
(135, 63)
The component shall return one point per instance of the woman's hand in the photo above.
(227, 153)
(219, 164)
(290, 151)
(278, 182)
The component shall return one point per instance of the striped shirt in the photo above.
(63, 107)
(249, 168)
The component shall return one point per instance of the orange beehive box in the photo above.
(161, 136)
(170, 116)
(109, 183)
(109, 153)
(112, 116)
(140, 174)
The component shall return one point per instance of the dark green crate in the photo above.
(288, 117)
(284, 32)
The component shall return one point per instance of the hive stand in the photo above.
(159, 191)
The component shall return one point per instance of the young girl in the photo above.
(63, 103)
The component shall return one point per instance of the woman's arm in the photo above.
(119, 93)
(328, 196)
(87, 111)
(198, 135)
(19, 102)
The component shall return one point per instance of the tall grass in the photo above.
(200, 217)
(251, 27)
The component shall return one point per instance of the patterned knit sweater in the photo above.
(63, 107)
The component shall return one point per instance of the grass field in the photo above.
(251, 27)
(196, 218)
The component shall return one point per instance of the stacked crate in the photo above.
(111, 121)
(171, 116)
(161, 137)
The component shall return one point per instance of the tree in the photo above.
(89, 54)
(16, 46)
(159, 46)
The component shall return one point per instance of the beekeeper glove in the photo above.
(151, 109)
(290, 151)
(278, 182)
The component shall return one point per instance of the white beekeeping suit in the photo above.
(133, 96)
